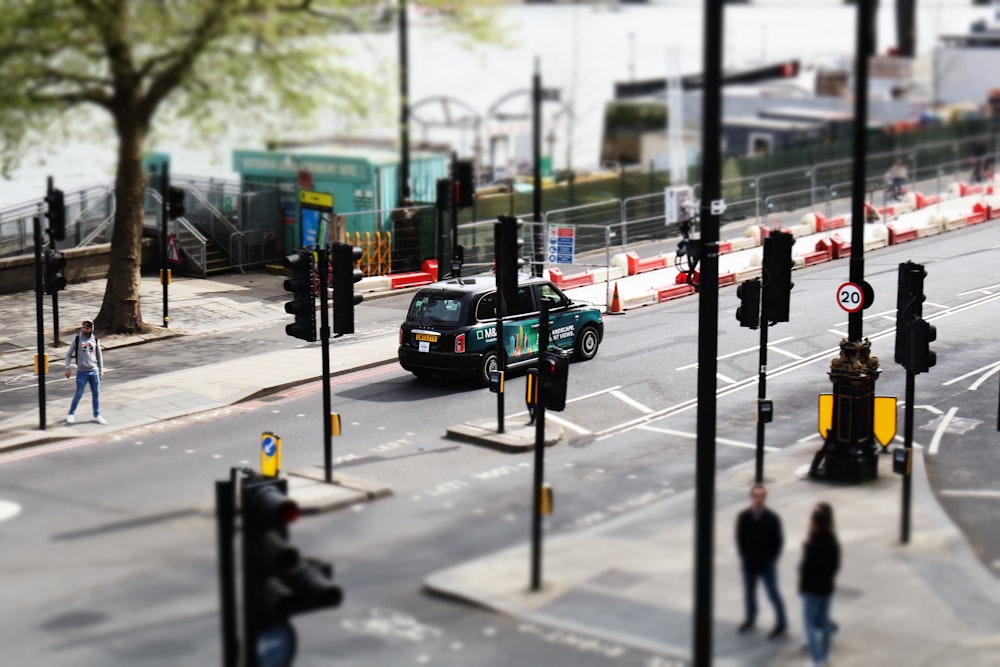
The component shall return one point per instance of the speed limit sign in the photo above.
(850, 297)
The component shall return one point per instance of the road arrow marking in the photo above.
(936, 440)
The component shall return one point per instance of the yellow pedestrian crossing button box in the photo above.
(270, 454)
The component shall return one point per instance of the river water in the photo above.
(581, 49)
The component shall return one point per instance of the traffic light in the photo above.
(277, 581)
(175, 201)
(922, 334)
(465, 183)
(445, 194)
(553, 376)
(344, 257)
(777, 276)
(909, 306)
(303, 305)
(55, 267)
(748, 312)
(56, 214)
(509, 247)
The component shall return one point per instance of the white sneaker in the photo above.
(100, 420)
(70, 419)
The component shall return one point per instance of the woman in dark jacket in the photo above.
(820, 562)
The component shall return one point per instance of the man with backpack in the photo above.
(89, 370)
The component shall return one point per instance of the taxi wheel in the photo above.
(486, 366)
(586, 344)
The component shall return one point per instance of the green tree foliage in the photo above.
(210, 63)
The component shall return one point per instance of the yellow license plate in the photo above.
(430, 338)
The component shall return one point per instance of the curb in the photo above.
(518, 439)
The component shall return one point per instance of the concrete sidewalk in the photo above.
(630, 581)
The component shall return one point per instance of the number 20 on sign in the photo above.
(850, 297)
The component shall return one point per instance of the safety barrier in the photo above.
(568, 282)
(640, 265)
(376, 252)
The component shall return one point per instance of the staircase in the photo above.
(207, 256)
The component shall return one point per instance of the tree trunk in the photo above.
(120, 311)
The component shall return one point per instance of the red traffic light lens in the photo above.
(288, 511)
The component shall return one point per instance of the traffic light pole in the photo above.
(324, 337)
(501, 305)
(55, 293)
(712, 206)
(761, 390)
(39, 322)
(454, 269)
(537, 232)
(904, 526)
(165, 216)
(536, 514)
(225, 513)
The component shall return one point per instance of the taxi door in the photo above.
(562, 318)
(520, 326)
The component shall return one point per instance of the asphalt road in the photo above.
(112, 560)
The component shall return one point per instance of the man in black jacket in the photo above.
(759, 541)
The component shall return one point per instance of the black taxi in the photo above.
(451, 327)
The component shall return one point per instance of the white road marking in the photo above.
(631, 401)
(739, 352)
(725, 378)
(790, 355)
(9, 509)
(970, 493)
(936, 440)
(980, 289)
(721, 441)
(567, 424)
(987, 368)
(596, 393)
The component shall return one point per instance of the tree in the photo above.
(204, 62)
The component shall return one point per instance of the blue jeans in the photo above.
(83, 378)
(816, 625)
(769, 575)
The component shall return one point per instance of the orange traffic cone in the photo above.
(616, 304)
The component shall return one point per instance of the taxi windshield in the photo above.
(436, 307)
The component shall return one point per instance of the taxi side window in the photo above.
(486, 310)
(522, 303)
(547, 294)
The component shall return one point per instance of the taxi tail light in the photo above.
(400, 335)
(460, 343)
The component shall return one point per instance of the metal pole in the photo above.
(904, 527)
(225, 518)
(453, 213)
(537, 233)
(865, 48)
(536, 515)
(708, 328)
(55, 293)
(39, 322)
(324, 337)
(55, 311)
(761, 391)
(165, 209)
(404, 106)
(501, 352)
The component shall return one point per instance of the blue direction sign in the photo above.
(270, 454)
(562, 241)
